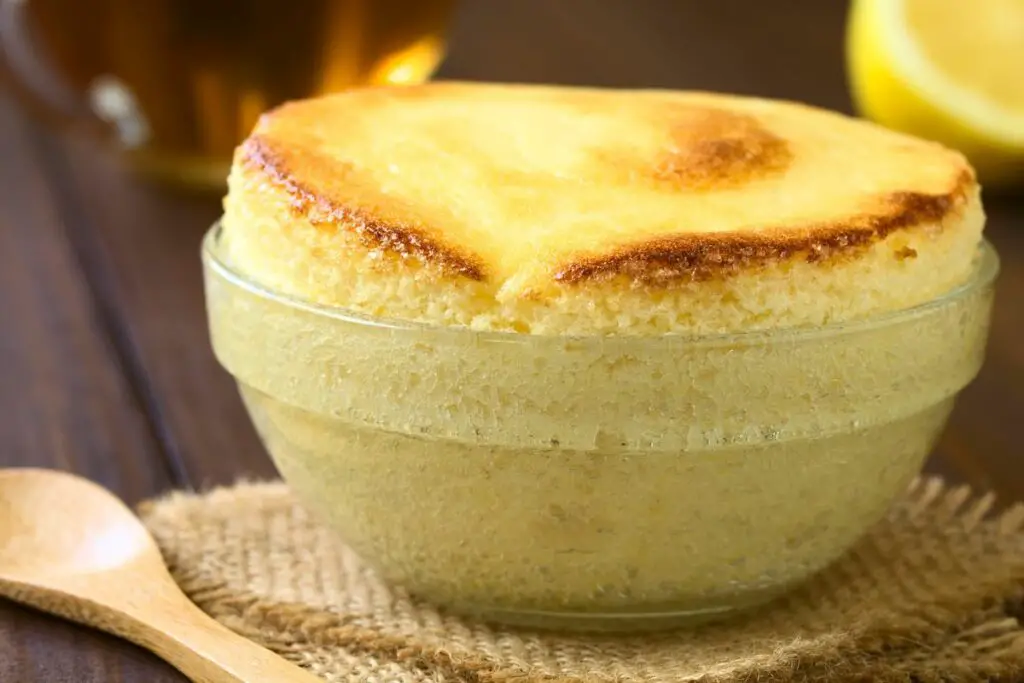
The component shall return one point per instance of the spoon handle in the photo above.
(206, 651)
(167, 624)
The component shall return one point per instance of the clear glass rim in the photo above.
(985, 271)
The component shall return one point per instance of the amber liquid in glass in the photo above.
(182, 82)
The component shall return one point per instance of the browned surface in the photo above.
(698, 257)
(309, 153)
(263, 157)
(713, 147)
(105, 367)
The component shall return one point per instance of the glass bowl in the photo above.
(610, 483)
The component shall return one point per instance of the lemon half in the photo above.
(947, 70)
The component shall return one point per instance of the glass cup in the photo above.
(616, 483)
(177, 84)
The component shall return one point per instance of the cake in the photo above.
(569, 357)
(561, 210)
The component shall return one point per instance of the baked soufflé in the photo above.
(595, 358)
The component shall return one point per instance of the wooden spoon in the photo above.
(69, 547)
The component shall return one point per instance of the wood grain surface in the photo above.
(104, 356)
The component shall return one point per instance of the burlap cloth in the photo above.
(932, 594)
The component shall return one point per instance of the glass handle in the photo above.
(109, 110)
(29, 73)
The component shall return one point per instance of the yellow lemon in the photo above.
(946, 70)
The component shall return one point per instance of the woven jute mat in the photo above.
(933, 593)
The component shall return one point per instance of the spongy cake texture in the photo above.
(558, 210)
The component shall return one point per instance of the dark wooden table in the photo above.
(105, 366)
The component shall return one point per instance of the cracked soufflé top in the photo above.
(564, 210)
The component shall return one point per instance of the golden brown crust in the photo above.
(322, 208)
(713, 149)
(656, 187)
(697, 256)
